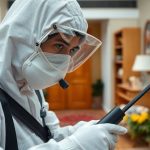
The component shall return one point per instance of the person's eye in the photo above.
(59, 46)
(74, 50)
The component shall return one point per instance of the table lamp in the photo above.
(142, 64)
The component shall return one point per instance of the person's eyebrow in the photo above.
(58, 38)
(62, 40)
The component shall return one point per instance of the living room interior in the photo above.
(115, 73)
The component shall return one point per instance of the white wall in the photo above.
(144, 16)
(110, 13)
(108, 29)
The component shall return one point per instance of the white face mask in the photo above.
(42, 70)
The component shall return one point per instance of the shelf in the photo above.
(129, 88)
(118, 61)
(119, 78)
(123, 96)
(118, 47)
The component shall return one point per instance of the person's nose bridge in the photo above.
(67, 52)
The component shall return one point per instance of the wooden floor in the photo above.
(124, 142)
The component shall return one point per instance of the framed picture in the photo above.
(147, 38)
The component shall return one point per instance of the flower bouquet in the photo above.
(138, 124)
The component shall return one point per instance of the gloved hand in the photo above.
(97, 137)
(63, 132)
(60, 133)
(81, 123)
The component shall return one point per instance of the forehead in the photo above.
(63, 38)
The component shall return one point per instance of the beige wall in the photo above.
(3, 8)
(144, 8)
(95, 30)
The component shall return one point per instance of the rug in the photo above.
(71, 117)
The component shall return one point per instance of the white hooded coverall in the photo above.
(24, 24)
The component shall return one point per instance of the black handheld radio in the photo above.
(117, 114)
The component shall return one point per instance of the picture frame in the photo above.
(147, 38)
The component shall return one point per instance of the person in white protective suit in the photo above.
(41, 41)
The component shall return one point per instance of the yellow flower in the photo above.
(135, 117)
(143, 117)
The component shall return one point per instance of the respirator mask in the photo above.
(61, 50)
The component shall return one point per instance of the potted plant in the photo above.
(97, 92)
(138, 125)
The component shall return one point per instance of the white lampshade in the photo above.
(141, 63)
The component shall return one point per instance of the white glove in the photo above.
(97, 137)
(81, 123)
(58, 132)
